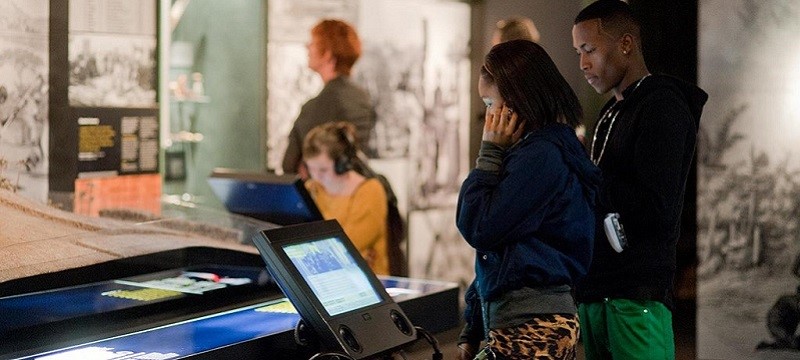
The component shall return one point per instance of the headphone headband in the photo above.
(344, 162)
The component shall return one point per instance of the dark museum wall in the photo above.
(669, 35)
(553, 20)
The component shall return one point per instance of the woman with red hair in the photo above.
(333, 50)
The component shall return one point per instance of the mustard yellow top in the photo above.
(362, 216)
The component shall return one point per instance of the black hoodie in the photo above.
(645, 165)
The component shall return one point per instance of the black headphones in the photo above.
(344, 162)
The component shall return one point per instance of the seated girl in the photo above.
(342, 193)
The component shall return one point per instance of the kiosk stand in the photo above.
(305, 337)
(334, 291)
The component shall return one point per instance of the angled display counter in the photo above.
(157, 290)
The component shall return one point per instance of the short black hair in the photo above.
(530, 83)
(616, 18)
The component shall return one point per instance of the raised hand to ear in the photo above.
(502, 126)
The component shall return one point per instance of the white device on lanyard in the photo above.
(615, 232)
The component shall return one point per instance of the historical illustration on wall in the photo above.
(112, 53)
(290, 84)
(437, 249)
(416, 69)
(748, 200)
(24, 68)
(415, 66)
(291, 20)
(422, 98)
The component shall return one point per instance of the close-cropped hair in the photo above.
(616, 18)
(341, 39)
(517, 28)
(531, 84)
(333, 138)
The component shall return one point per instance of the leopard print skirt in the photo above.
(547, 336)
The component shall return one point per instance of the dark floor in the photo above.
(683, 324)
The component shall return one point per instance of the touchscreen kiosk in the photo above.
(333, 289)
(279, 199)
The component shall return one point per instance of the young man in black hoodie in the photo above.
(644, 143)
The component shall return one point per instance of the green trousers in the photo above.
(622, 329)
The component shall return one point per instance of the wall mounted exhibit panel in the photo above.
(748, 187)
(24, 72)
(112, 53)
(103, 106)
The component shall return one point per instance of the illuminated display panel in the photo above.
(333, 275)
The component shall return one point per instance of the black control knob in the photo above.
(401, 322)
(349, 338)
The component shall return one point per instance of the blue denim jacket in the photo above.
(531, 219)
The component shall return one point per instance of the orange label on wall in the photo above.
(137, 193)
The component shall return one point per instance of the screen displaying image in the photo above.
(333, 275)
